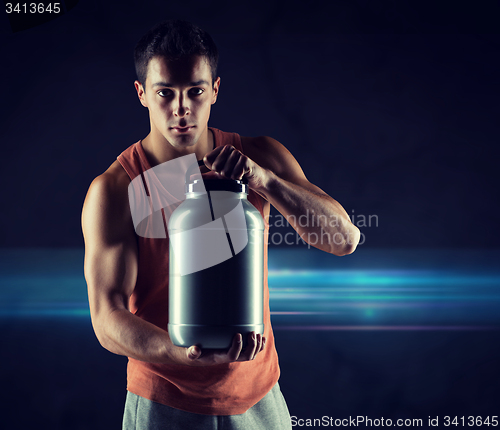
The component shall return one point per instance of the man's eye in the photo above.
(164, 93)
(197, 91)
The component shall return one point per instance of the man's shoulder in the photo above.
(112, 185)
(115, 176)
(106, 216)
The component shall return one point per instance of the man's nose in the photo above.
(182, 106)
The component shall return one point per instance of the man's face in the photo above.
(179, 96)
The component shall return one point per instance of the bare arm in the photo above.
(319, 219)
(111, 262)
(110, 267)
(275, 174)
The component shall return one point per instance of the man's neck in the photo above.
(159, 150)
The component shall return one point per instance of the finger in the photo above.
(220, 161)
(260, 338)
(193, 352)
(234, 352)
(211, 156)
(240, 168)
(256, 345)
(231, 162)
(251, 347)
(210, 175)
(259, 344)
(263, 343)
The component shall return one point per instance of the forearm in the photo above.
(123, 333)
(319, 220)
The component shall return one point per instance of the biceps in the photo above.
(110, 248)
(111, 273)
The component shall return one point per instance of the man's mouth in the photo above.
(183, 129)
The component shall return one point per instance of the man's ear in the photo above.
(140, 93)
(216, 90)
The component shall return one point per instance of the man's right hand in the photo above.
(208, 357)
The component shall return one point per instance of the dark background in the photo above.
(391, 107)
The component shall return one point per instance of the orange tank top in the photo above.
(224, 389)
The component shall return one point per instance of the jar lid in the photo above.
(234, 185)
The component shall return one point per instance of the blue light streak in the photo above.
(385, 299)
(39, 283)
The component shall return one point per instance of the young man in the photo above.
(127, 273)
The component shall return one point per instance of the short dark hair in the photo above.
(174, 39)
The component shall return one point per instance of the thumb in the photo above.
(210, 175)
(193, 352)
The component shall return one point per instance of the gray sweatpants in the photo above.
(270, 413)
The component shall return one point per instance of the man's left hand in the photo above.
(228, 162)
